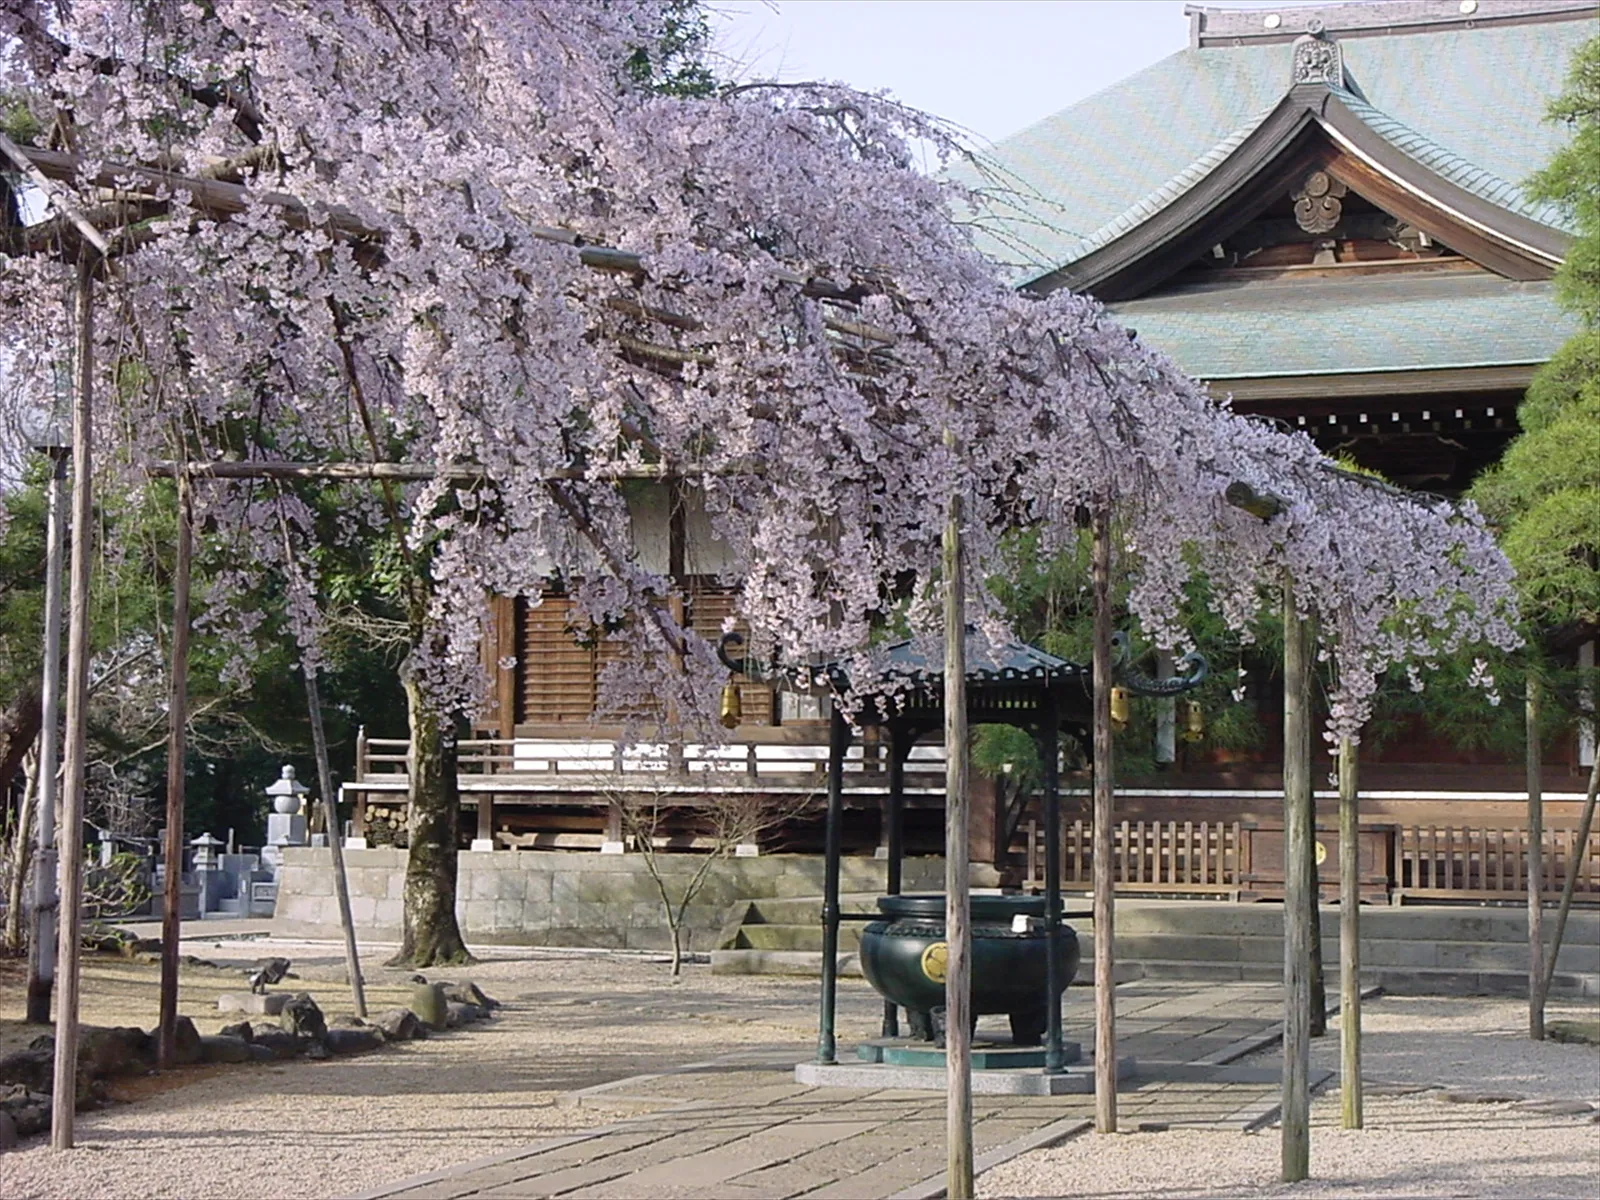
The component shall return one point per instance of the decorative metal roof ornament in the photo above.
(1318, 203)
(1317, 58)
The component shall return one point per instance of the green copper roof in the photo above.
(1364, 323)
(1467, 103)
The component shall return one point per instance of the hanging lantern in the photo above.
(732, 706)
(1194, 721)
(1121, 708)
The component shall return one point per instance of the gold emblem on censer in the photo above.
(934, 960)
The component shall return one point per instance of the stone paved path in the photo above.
(740, 1127)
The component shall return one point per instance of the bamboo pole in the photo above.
(1105, 996)
(1534, 761)
(1298, 842)
(64, 1087)
(177, 751)
(46, 901)
(957, 929)
(1349, 936)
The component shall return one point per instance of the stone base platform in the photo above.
(987, 1055)
(1075, 1081)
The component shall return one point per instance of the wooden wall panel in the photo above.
(556, 676)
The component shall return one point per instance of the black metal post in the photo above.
(1050, 751)
(900, 741)
(838, 743)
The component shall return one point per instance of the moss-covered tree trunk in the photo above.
(432, 935)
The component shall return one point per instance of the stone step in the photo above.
(779, 962)
(1399, 981)
(1223, 952)
(795, 937)
(1376, 951)
(1219, 918)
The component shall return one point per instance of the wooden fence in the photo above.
(1455, 863)
(1151, 857)
(1240, 860)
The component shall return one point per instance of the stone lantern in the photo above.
(207, 871)
(286, 823)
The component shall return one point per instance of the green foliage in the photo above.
(675, 65)
(1049, 603)
(1572, 180)
(239, 735)
(18, 121)
(1545, 492)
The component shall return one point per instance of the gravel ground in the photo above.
(573, 1020)
(307, 1129)
(1413, 1145)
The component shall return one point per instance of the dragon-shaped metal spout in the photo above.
(741, 665)
(1192, 668)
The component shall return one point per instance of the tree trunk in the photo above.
(431, 935)
(19, 728)
(21, 859)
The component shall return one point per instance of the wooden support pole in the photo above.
(1349, 936)
(957, 927)
(330, 806)
(1050, 753)
(1575, 859)
(1298, 923)
(1105, 996)
(46, 901)
(838, 746)
(177, 753)
(894, 837)
(1534, 761)
(330, 809)
(64, 1090)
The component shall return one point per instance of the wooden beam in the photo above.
(1364, 385)
(420, 472)
(63, 203)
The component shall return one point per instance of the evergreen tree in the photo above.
(1545, 492)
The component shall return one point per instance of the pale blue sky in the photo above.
(993, 66)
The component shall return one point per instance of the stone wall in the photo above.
(555, 898)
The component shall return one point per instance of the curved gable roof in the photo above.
(1466, 105)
